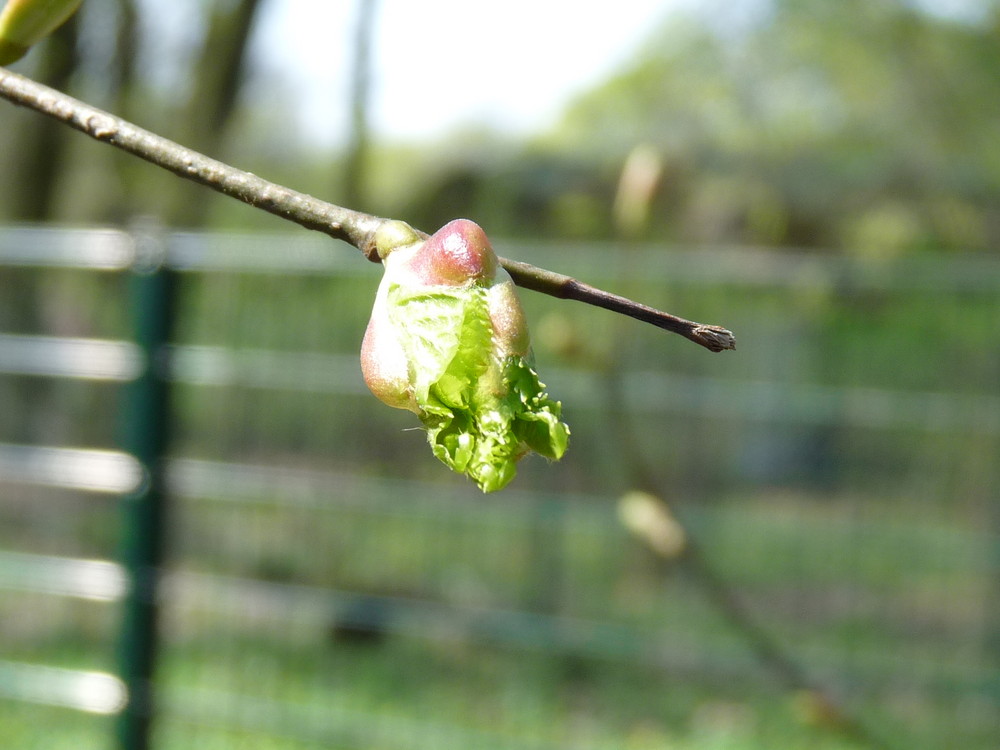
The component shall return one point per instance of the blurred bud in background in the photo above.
(638, 182)
(25, 22)
(650, 519)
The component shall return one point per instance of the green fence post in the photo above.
(146, 431)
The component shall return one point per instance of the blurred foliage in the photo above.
(111, 54)
(849, 125)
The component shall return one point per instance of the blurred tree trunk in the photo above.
(29, 187)
(219, 72)
(125, 56)
(120, 204)
(355, 161)
(41, 142)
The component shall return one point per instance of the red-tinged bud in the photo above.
(459, 252)
(384, 363)
(510, 328)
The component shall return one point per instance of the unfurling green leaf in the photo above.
(448, 341)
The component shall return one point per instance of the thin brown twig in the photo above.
(713, 338)
(354, 227)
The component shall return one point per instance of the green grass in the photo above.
(505, 636)
(405, 694)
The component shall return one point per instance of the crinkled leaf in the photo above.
(538, 423)
(481, 415)
(446, 336)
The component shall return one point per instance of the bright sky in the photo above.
(442, 63)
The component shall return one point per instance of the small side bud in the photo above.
(392, 235)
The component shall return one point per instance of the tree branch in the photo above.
(713, 338)
(344, 224)
(354, 227)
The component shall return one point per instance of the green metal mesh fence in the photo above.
(329, 585)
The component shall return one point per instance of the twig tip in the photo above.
(714, 338)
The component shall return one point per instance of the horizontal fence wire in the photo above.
(286, 254)
(87, 469)
(91, 359)
(91, 692)
(63, 357)
(49, 247)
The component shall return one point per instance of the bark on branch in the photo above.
(354, 227)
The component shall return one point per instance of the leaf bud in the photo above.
(25, 22)
(448, 340)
